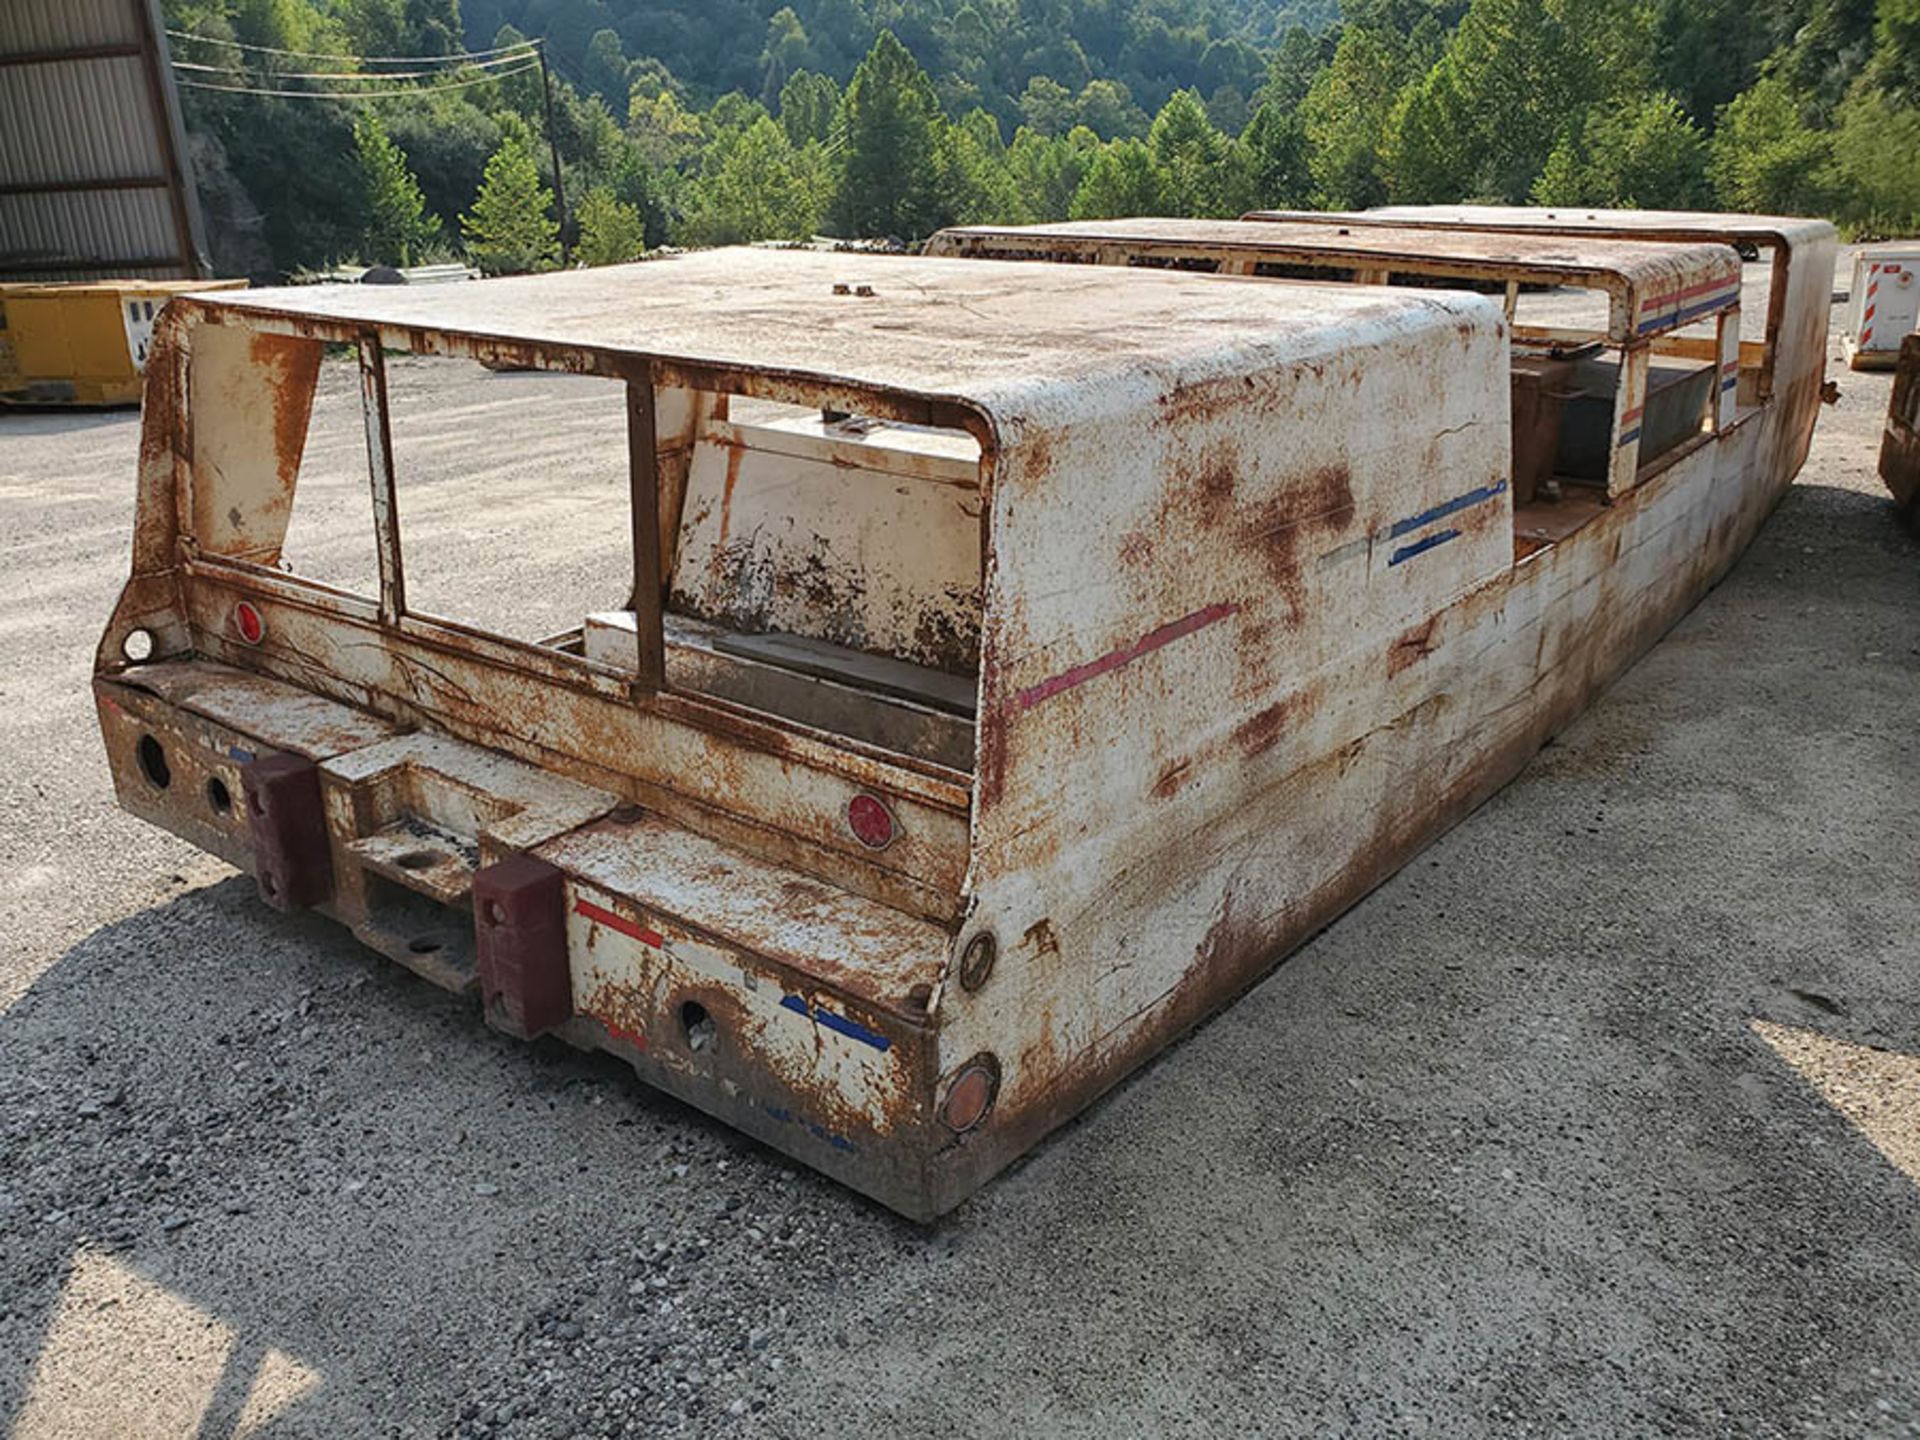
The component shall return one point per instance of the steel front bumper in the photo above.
(790, 1009)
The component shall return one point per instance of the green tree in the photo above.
(1293, 67)
(509, 229)
(1345, 116)
(605, 70)
(1047, 106)
(1880, 194)
(977, 184)
(1048, 171)
(765, 189)
(1189, 156)
(398, 224)
(1106, 107)
(808, 103)
(1268, 168)
(1896, 40)
(890, 126)
(666, 134)
(1515, 77)
(1121, 182)
(1770, 157)
(611, 231)
(786, 45)
(1643, 153)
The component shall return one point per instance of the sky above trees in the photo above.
(720, 121)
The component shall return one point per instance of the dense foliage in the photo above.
(718, 121)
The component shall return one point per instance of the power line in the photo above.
(465, 56)
(362, 74)
(522, 69)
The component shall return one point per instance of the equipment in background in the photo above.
(1883, 306)
(83, 343)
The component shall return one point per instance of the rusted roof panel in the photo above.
(1652, 286)
(994, 336)
(1524, 219)
(1630, 260)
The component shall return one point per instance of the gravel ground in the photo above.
(1602, 1117)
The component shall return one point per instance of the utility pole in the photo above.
(553, 151)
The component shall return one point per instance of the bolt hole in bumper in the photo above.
(788, 1008)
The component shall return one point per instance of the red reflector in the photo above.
(870, 821)
(249, 623)
(971, 1095)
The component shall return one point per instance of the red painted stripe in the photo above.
(1663, 298)
(1633, 414)
(601, 916)
(1126, 654)
(1870, 310)
(620, 1032)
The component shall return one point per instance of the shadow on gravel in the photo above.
(1562, 1129)
(248, 1164)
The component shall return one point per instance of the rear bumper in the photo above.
(793, 1011)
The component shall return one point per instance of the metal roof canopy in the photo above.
(977, 339)
(94, 180)
(1652, 287)
(1660, 225)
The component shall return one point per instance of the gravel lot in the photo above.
(1602, 1117)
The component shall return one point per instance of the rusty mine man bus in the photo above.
(1010, 664)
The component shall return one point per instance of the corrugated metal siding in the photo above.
(92, 176)
(30, 25)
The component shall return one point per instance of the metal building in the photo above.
(94, 178)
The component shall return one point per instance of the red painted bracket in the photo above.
(293, 861)
(520, 926)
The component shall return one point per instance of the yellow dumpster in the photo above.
(83, 343)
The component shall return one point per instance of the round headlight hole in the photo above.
(152, 757)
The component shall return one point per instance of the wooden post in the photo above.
(553, 152)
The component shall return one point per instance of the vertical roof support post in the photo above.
(1726, 385)
(1629, 410)
(1776, 315)
(649, 590)
(386, 511)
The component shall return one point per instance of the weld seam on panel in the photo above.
(1446, 508)
(1420, 547)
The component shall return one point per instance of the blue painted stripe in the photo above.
(1446, 508)
(812, 1127)
(1690, 312)
(1421, 546)
(1731, 383)
(852, 1029)
(1628, 438)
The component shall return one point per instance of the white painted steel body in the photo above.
(1250, 631)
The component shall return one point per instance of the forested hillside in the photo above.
(715, 121)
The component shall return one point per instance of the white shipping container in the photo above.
(1884, 304)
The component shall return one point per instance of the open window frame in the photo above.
(910, 738)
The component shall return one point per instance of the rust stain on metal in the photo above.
(1414, 645)
(291, 368)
